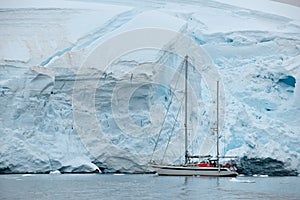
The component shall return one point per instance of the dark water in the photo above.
(97, 186)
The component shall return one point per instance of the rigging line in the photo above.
(224, 142)
(172, 131)
(169, 105)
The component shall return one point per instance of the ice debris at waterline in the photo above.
(255, 47)
(241, 180)
(55, 172)
(27, 175)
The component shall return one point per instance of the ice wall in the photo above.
(43, 46)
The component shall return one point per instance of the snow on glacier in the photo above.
(254, 45)
(268, 7)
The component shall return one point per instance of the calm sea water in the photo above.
(111, 187)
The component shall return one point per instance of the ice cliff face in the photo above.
(43, 49)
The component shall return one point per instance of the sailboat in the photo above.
(210, 166)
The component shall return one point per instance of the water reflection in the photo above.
(184, 188)
(112, 187)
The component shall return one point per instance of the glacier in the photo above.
(254, 45)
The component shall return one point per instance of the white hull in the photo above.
(166, 170)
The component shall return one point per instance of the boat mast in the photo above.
(185, 114)
(217, 129)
